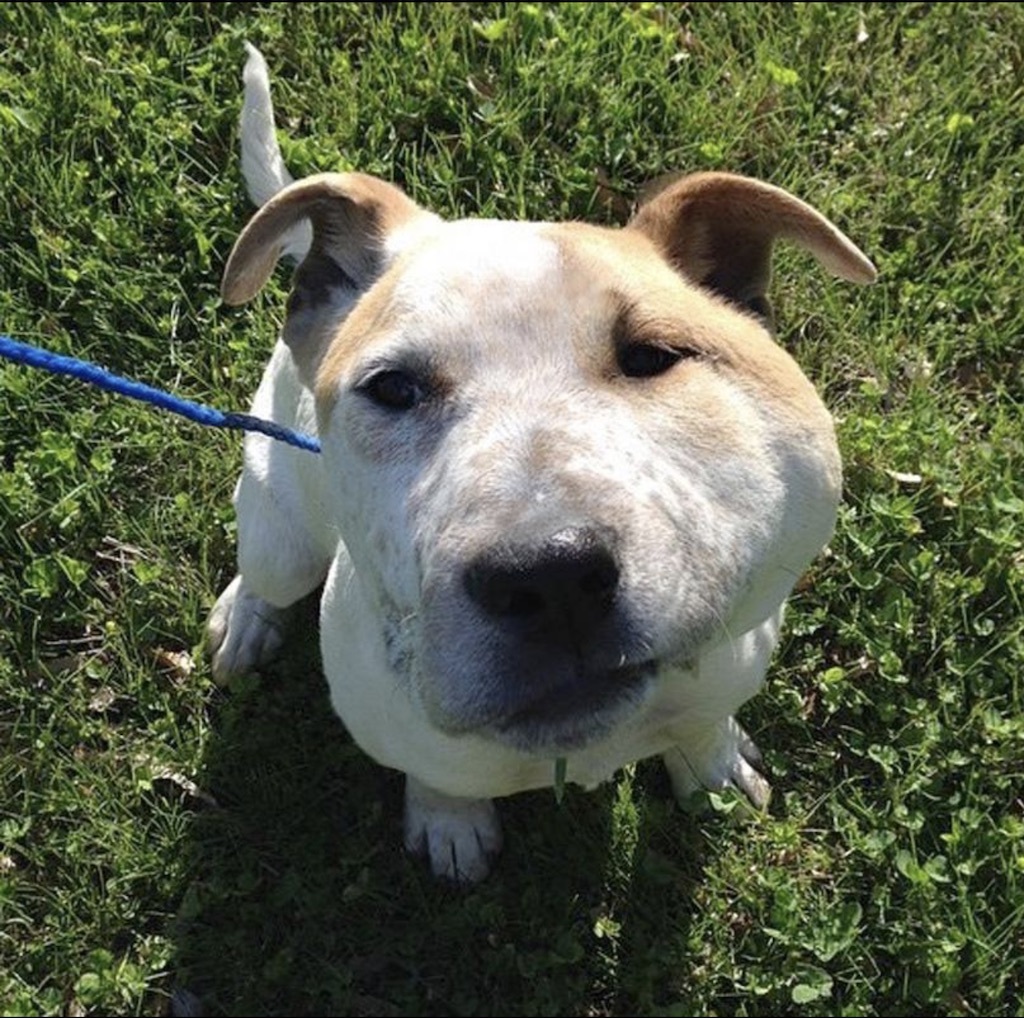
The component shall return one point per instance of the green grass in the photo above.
(157, 835)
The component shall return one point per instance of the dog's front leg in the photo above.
(712, 752)
(722, 757)
(280, 561)
(460, 836)
(243, 632)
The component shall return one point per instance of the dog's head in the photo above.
(565, 459)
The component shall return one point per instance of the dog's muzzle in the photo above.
(549, 660)
(556, 593)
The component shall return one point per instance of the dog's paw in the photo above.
(725, 758)
(461, 837)
(243, 633)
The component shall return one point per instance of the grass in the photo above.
(160, 837)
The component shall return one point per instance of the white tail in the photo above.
(262, 164)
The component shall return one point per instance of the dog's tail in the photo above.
(262, 163)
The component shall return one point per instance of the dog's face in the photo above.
(564, 459)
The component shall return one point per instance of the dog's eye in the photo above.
(394, 390)
(642, 360)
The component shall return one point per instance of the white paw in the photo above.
(726, 757)
(243, 633)
(461, 837)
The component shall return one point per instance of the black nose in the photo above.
(564, 584)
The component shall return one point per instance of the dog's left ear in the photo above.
(717, 229)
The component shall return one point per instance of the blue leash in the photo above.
(24, 353)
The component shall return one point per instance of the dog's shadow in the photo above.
(300, 899)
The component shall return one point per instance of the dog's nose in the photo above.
(564, 584)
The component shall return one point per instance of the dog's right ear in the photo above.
(352, 215)
(353, 218)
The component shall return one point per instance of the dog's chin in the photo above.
(567, 721)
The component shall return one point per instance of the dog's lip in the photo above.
(567, 719)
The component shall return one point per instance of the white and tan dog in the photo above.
(568, 480)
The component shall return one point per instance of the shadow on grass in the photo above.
(300, 899)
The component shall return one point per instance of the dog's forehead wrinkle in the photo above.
(526, 304)
(491, 321)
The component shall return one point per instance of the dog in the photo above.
(568, 480)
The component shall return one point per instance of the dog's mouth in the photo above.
(579, 712)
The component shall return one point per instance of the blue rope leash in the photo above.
(23, 353)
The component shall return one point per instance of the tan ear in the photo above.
(717, 229)
(352, 214)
